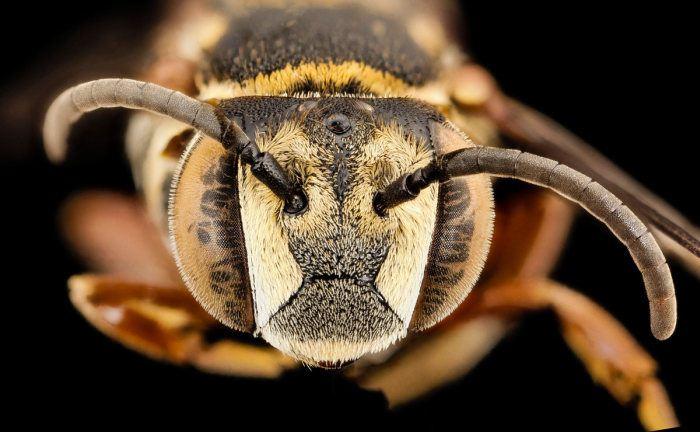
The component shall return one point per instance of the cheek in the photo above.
(401, 275)
(274, 274)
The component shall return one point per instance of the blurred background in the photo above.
(618, 76)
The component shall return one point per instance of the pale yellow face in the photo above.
(336, 281)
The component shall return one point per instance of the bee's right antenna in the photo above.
(126, 93)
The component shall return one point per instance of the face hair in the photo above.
(569, 183)
(336, 281)
(125, 93)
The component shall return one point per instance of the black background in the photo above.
(619, 77)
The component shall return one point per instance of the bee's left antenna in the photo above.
(571, 184)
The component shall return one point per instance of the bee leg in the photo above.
(532, 252)
(166, 323)
(156, 316)
(112, 234)
(609, 352)
(452, 348)
(430, 361)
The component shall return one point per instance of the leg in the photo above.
(112, 234)
(610, 353)
(519, 261)
(156, 316)
(453, 347)
(167, 324)
(532, 252)
(440, 357)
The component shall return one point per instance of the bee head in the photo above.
(332, 279)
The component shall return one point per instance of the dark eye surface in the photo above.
(338, 123)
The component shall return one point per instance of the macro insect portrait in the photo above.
(338, 204)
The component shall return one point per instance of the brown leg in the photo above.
(609, 352)
(522, 253)
(452, 348)
(532, 251)
(428, 363)
(140, 300)
(516, 284)
(112, 234)
(167, 324)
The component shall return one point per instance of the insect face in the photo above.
(350, 278)
(334, 280)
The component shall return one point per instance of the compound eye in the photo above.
(338, 123)
(206, 228)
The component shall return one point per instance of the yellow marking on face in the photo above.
(274, 274)
(400, 277)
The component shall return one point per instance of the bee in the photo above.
(318, 174)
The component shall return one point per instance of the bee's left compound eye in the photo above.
(338, 123)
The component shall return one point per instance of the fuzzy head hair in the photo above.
(335, 280)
